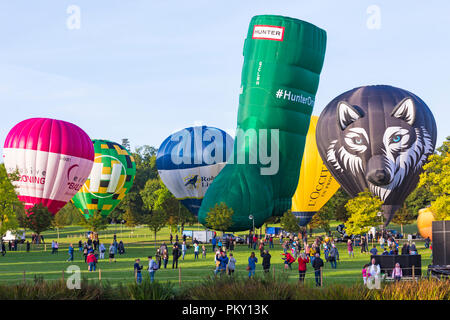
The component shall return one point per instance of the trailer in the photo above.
(202, 236)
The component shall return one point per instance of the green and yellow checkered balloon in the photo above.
(110, 180)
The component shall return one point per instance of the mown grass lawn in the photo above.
(139, 243)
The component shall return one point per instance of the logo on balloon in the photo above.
(106, 179)
(191, 181)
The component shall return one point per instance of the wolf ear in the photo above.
(346, 114)
(405, 110)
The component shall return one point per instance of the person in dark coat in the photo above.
(28, 246)
(317, 265)
(266, 260)
(175, 255)
(3, 249)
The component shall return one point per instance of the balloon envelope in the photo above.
(109, 181)
(190, 159)
(424, 223)
(53, 158)
(377, 138)
(316, 185)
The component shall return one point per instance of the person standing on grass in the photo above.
(175, 255)
(374, 270)
(3, 249)
(374, 250)
(213, 242)
(137, 271)
(92, 261)
(152, 267)
(158, 258)
(196, 248)
(363, 244)
(266, 260)
(364, 272)
(217, 261)
(28, 246)
(231, 265)
(80, 246)
(203, 252)
(112, 252)
(271, 241)
(397, 272)
(252, 260)
(70, 253)
(183, 249)
(318, 265)
(56, 247)
(102, 251)
(223, 262)
(333, 256)
(165, 258)
(303, 260)
(350, 248)
(382, 241)
(288, 260)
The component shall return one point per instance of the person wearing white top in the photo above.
(195, 251)
(373, 275)
(152, 267)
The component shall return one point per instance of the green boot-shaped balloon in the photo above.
(283, 58)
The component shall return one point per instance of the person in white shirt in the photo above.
(373, 275)
(102, 251)
(152, 267)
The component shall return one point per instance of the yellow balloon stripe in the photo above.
(316, 185)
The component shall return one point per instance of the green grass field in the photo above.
(139, 243)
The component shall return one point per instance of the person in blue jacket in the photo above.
(223, 259)
(213, 242)
(252, 260)
(70, 253)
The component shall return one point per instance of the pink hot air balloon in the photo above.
(54, 159)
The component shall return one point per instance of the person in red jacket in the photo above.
(288, 260)
(303, 260)
(92, 261)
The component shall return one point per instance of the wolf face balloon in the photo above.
(377, 138)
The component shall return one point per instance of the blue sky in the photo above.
(142, 69)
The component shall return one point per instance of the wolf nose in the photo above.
(379, 177)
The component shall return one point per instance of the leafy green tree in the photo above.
(70, 213)
(404, 216)
(10, 206)
(156, 221)
(95, 223)
(335, 207)
(418, 199)
(145, 158)
(60, 220)
(322, 220)
(436, 179)
(131, 219)
(220, 217)
(363, 211)
(38, 219)
(289, 222)
(126, 144)
(149, 195)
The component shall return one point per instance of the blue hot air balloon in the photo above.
(189, 160)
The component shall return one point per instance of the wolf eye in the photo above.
(397, 138)
(357, 140)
